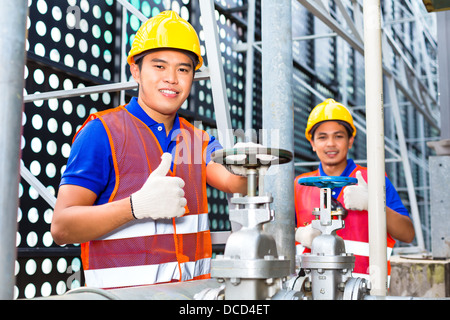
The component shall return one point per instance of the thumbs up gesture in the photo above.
(161, 196)
(356, 197)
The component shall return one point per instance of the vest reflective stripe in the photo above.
(142, 228)
(361, 275)
(170, 248)
(361, 252)
(299, 249)
(158, 273)
(362, 248)
(138, 250)
(367, 277)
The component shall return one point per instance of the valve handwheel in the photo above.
(252, 157)
(327, 181)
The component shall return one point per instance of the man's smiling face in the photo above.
(331, 143)
(165, 79)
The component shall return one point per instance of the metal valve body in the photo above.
(328, 267)
(250, 266)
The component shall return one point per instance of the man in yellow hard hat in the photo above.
(134, 189)
(331, 132)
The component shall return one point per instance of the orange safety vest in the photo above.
(151, 251)
(356, 231)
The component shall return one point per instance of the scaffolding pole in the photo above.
(12, 60)
(249, 65)
(375, 147)
(407, 166)
(278, 122)
(215, 65)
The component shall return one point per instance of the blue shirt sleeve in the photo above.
(213, 145)
(90, 162)
(393, 200)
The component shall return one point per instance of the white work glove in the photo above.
(356, 197)
(161, 196)
(306, 235)
(238, 169)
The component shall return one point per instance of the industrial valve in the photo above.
(250, 267)
(328, 267)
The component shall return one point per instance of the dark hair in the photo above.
(346, 125)
(139, 62)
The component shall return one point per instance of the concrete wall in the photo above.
(419, 277)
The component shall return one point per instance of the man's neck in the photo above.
(334, 170)
(167, 120)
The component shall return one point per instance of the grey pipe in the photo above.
(170, 291)
(278, 120)
(375, 147)
(12, 60)
(182, 291)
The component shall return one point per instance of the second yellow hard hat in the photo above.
(328, 110)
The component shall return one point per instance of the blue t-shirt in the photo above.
(90, 164)
(393, 200)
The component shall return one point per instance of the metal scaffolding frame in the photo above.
(406, 80)
(12, 60)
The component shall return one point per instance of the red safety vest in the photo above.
(356, 231)
(152, 251)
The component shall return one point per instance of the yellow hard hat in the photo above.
(328, 110)
(166, 30)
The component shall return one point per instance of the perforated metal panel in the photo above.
(70, 45)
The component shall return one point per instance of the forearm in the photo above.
(399, 226)
(220, 178)
(237, 184)
(81, 223)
